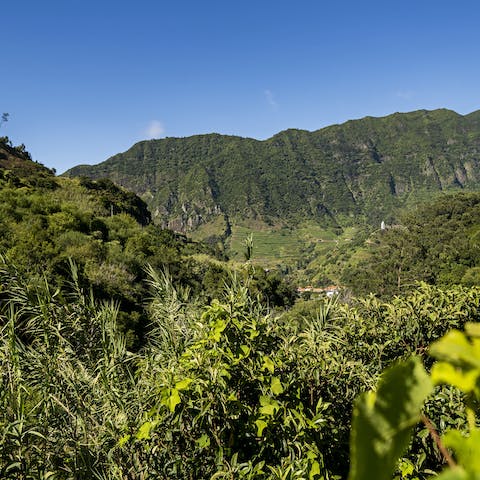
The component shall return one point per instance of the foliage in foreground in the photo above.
(223, 391)
(383, 420)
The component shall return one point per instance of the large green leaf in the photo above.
(460, 353)
(383, 420)
(467, 450)
(456, 349)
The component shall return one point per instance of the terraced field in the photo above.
(279, 246)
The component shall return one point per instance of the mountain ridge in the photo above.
(357, 171)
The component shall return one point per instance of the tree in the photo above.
(4, 118)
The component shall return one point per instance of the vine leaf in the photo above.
(383, 420)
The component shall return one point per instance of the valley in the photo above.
(304, 196)
(240, 240)
(255, 321)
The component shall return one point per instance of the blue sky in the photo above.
(83, 80)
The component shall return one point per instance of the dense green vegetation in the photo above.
(222, 391)
(46, 222)
(129, 351)
(357, 173)
(383, 420)
(437, 243)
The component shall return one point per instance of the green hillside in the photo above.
(361, 169)
(213, 187)
(114, 370)
(436, 243)
(46, 222)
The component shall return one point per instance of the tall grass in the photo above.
(70, 389)
(226, 390)
(67, 380)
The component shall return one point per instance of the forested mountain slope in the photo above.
(360, 171)
(436, 243)
(47, 223)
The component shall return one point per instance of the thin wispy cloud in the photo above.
(405, 94)
(270, 98)
(155, 129)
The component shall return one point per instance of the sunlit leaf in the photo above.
(276, 386)
(261, 424)
(203, 441)
(124, 440)
(144, 431)
(457, 473)
(455, 348)
(183, 384)
(268, 364)
(314, 470)
(268, 405)
(467, 449)
(446, 373)
(245, 349)
(172, 399)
